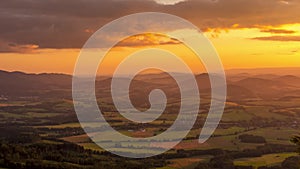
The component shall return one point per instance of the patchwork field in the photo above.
(265, 160)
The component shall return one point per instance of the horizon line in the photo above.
(226, 70)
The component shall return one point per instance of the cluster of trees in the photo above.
(296, 140)
(247, 138)
(19, 135)
(226, 162)
(66, 156)
(289, 163)
(218, 162)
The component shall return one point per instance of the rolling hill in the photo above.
(240, 86)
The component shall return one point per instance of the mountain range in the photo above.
(240, 86)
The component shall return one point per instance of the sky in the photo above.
(46, 36)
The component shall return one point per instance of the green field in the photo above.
(53, 123)
(265, 160)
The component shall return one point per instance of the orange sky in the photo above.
(236, 49)
(36, 42)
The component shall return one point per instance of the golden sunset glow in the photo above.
(150, 84)
(239, 46)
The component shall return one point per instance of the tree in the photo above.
(291, 163)
(222, 162)
(296, 140)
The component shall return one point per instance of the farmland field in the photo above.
(265, 160)
(253, 132)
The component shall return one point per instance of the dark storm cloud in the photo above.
(69, 23)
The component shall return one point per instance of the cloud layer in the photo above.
(279, 38)
(69, 23)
